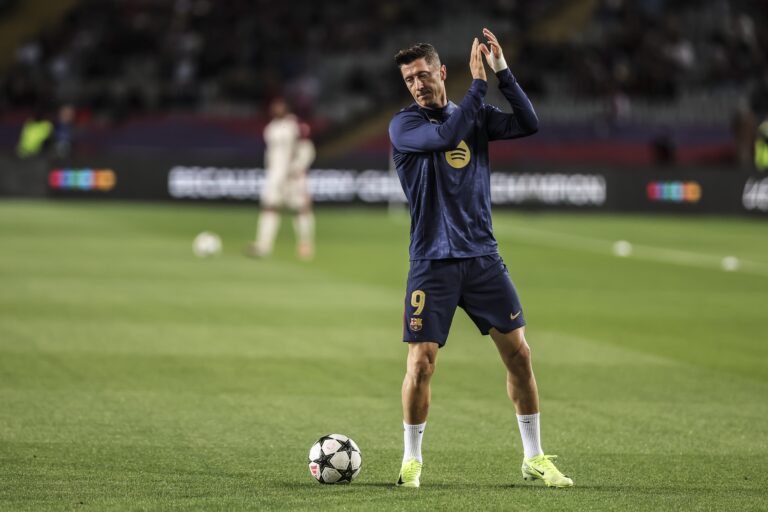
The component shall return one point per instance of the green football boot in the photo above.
(409, 474)
(541, 468)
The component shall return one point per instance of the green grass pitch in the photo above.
(134, 376)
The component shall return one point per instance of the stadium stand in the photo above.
(622, 81)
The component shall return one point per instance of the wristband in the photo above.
(498, 63)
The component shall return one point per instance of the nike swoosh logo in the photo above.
(514, 317)
(539, 472)
(524, 421)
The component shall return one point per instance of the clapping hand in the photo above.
(494, 55)
(476, 66)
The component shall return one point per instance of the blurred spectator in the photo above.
(663, 149)
(744, 125)
(761, 147)
(63, 134)
(35, 136)
(758, 96)
(619, 107)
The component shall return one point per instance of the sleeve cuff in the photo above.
(505, 75)
(480, 86)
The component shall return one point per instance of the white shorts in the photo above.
(285, 189)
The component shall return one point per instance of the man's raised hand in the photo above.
(476, 66)
(494, 56)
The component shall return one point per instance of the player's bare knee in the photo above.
(421, 361)
(524, 352)
(520, 360)
(421, 369)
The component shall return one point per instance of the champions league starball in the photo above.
(335, 459)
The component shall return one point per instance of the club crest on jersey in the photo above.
(458, 158)
(416, 324)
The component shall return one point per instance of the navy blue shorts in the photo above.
(481, 286)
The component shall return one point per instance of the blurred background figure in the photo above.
(35, 136)
(761, 147)
(63, 133)
(288, 155)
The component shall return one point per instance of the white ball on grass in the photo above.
(206, 244)
(622, 248)
(335, 459)
(730, 263)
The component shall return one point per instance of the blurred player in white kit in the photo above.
(289, 153)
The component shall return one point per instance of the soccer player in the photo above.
(289, 153)
(440, 151)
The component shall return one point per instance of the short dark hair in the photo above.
(418, 51)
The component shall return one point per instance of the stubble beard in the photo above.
(431, 102)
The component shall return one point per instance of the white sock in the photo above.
(304, 225)
(530, 433)
(412, 435)
(269, 222)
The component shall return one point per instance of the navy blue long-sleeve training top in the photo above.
(441, 156)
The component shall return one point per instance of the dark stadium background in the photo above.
(663, 92)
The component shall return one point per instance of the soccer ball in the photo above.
(335, 459)
(206, 244)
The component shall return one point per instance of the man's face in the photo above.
(425, 82)
(278, 108)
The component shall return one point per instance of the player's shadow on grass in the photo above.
(439, 486)
(391, 485)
